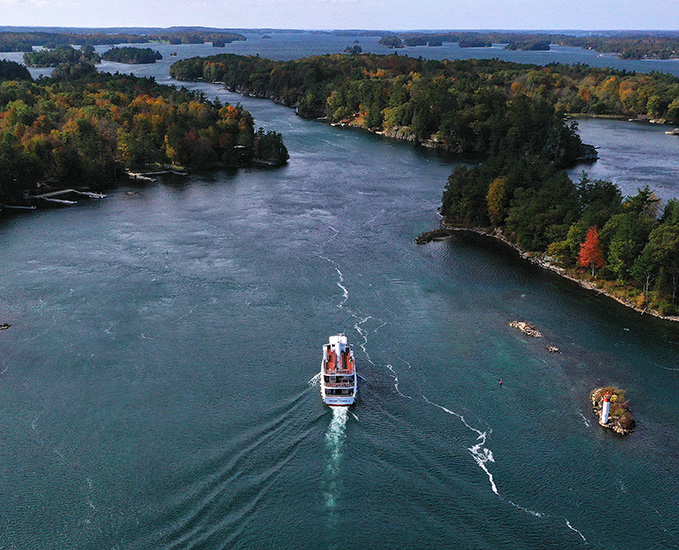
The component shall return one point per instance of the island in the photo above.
(529, 45)
(391, 41)
(617, 415)
(131, 55)
(61, 54)
(474, 43)
(91, 128)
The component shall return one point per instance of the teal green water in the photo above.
(158, 391)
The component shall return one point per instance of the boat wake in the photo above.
(334, 441)
(360, 319)
(483, 456)
(568, 524)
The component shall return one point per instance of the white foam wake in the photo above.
(482, 455)
(479, 452)
(568, 524)
(334, 441)
(393, 375)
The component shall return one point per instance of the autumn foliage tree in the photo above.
(591, 255)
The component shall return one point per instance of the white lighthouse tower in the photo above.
(605, 409)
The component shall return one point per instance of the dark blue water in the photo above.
(158, 390)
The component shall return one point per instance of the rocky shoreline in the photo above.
(542, 261)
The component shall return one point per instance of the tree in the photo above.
(497, 199)
(591, 254)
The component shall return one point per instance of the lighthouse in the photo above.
(605, 409)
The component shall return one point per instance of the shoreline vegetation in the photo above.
(446, 231)
(85, 129)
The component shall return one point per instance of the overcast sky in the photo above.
(343, 14)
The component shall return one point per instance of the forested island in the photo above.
(89, 128)
(61, 54)
(625, 247)
(132, 55)
(465, 107)
(628, 45)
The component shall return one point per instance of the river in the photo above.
(158, 382)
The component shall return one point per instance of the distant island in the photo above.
(529, 45)
(132, 55)
(61, 54)
(25, 41)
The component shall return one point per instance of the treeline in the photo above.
(466, 107)
(10, 70)
(24, 41)
(308, 83)
(132, 55)
(85, 130)
(631, 245)
(627, 45)
(61, 54)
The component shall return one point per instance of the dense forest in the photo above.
(132, 55)
(61, 54)
(83, 128)
(309, 83)
(466, 107)
(629, 246)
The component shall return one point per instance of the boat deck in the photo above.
(346, 366)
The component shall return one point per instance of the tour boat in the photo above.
(338, 372)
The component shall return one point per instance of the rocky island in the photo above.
(613, 410)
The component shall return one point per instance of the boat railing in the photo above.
(339, 384)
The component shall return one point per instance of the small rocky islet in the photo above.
(620, 418)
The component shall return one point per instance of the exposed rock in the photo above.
(435, 235)
(526, 328)
(552, 349)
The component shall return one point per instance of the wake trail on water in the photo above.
(334, 442)
(568, 524)
(359, 318)
(483, 456)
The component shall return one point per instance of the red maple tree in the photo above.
(591, 255)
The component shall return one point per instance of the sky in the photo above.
(348, 14)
